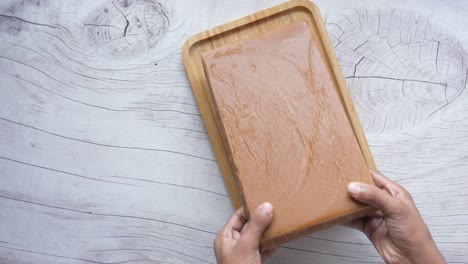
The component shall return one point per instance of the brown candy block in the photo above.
(288, 136)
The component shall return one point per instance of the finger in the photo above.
(258, 223)
(373, 196)
(376, 214)
(379, 179)
(372, 228)
(231, 229)
(392, 187)
(383, 182)
(236, 221)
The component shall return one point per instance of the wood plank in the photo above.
(104, 156)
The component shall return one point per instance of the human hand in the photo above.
(395, 228)
(239, 240)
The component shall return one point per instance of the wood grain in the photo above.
(104, 156)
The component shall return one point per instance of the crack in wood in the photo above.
(356, 65)
(107, 145)
(127, 23)
(57, 256)
(172, 184)
(429, 64)
(28, 22)
(61, 171)
(145, 24)
(395, 79)
(105, 214)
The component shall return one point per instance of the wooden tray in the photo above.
(239, 30)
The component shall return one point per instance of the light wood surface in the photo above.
(104, 156)
(250, 26)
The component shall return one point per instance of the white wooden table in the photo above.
(104, 157)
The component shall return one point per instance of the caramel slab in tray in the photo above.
(283, 126)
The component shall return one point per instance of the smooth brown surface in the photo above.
(244, 28)
(289, 139)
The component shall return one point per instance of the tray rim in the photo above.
(342, 88)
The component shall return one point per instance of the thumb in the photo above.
(256, 226)
(373, 196)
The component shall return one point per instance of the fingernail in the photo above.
(354, 188)
(266, 209)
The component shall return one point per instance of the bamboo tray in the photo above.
(244, 28)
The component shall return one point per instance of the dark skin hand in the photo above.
(395, 228)
(239, 240)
